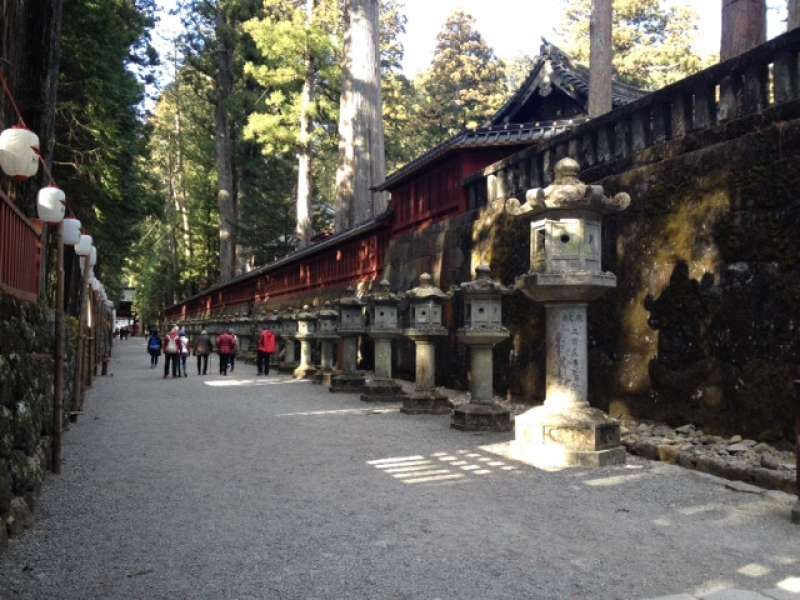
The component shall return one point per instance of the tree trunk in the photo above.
(304, 230)
(362, 158)
(602, 54)
(794, 15)
(744, 26)
(224, 151)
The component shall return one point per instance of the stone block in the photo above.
(6, 431)
(426, 403)
(26, 473)
(669, 453)
(19, 517)
(580, 436)
(347, 383)
(383, 390)
(305, 372)
(5, 486)
(481, 417)
(323, 378)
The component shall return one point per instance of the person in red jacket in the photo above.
(225, 348)
(266, 346)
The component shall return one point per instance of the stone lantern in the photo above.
(425, 326)
(288, 334)
(351, 325)
(306, 331)
(566, 275)
(483, 329)
(384, 327)
(326, 334)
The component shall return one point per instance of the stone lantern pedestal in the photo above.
(426, 327)
(306, 329)
(565, 275)
(288, 335)
(351, 325)
(482, 331)
(383, 329)
(327, 336)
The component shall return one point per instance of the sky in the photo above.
(511, 27)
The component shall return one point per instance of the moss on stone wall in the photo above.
(26, 404)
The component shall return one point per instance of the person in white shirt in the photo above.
(184, 351)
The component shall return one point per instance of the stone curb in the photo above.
(672, 454)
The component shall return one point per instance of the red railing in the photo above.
(20, 252)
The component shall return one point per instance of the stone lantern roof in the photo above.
(426, 290)
(568, 192)
(483, 284)
(383, 294)
(350, 298)
(327, 311)
(305, 314)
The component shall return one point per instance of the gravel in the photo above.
(237, 487)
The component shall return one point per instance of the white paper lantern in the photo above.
(50, 204)
(71, 231)
(84, 246)
(93, 256)
(19, 149)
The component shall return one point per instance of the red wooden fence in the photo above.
(20, 252)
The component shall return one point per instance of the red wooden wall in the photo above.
(432, 194)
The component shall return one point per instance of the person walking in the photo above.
(172, 351)
(184, 351)
(225, 343)
(266, 346)
(232, 360)
(154, 347)
(201, 349)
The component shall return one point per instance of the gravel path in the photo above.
(213, 487)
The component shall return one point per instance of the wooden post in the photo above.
(601, 57)
(58, 375)
(744, 26)
(77, 402)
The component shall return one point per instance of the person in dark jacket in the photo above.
(202, 348)
(154, 348)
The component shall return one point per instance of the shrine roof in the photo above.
(508, 134)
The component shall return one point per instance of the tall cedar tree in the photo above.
(652, 39)
(362, 154)
(465, 84)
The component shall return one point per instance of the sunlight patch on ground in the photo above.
(790, 584)
(346, 411)
(440, 467)
(223, 383)
(614, 480)
(754, 570)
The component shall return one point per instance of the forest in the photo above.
(197, 164)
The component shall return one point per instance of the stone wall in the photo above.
(26, 405)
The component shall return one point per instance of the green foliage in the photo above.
(652, 40)
(100, 135)
(465, 84)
